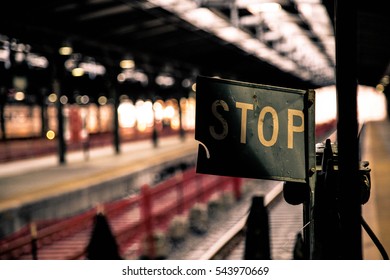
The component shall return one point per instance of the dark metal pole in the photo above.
(57, 72)
(181, 129)
(110, 79)
(43, 107)
(116, 121)
(3, 101)
(347, 129)
(60, 121)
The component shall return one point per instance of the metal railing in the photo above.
(132, 219)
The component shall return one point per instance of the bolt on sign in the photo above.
(253, 131)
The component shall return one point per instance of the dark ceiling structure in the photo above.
(159, 35)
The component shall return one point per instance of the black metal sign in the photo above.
(253, 131)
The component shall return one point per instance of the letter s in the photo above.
(225, 128)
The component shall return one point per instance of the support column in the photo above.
(347, 129)
(60, 121)
(116, 121)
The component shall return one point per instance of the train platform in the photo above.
(24, 181)
(376, 212)
(54, 190)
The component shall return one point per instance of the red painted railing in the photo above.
(132, 220)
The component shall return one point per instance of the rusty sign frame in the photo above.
(254, 131)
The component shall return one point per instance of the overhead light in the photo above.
(165, 80)
(270, 7)
(19, 95)
(5, 53)
(52, 97)
(79, 66)
(283, 43)
(102, 100)
(127, 63)
(178, 6)
(232, 34)
(204, 18)
(385, 80)
(133, 75)
(37, 61)
(77, 72)
(65, 50)
(92, 68)
(380, 87)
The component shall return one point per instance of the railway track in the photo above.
(226, 236)
(285, 223)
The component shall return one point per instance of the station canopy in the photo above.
(279, 42)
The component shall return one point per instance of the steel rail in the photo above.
(234, 235)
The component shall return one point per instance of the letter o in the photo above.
(260, 126)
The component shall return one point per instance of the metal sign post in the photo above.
(347, 130)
